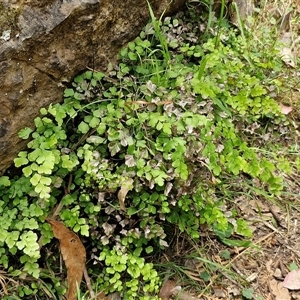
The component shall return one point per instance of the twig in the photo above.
(272, 227)
(88, 283)
(246, 249)
(149, 103)
(277, 217)
(212, 281)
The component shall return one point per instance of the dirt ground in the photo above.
(255, 272)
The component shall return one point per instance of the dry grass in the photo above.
(284, 17)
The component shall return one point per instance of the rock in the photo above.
(241, 9)
(45, 43)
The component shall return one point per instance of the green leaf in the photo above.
(69, 199)
(84, 230)
(28, 243)
(131, 211)
(45, 180)
(101, 128)
(149, 249)
(88, 74)
(45, 168)
(68, 93)
(3, 235)
(134, 271)
(25, 133)
(120, 268)
(225, 254)
(98, 75)
(35, 154)
(131, 46)
(35, 179)
(138, 251)
(39, 188)
(205, 276)
(132, 56)
(27, 171)
(94, 122)
(32, 268)
(258, 90)
(11, 238)
(236, 243)
(69, 161)
(293, 266)
(83, 127)
(43, 111)
(248, 293)
(167, 128)
(20, 161)
(243, 228)
(4, 181)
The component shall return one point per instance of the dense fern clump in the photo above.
(149, 146)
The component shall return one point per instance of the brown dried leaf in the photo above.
(73, 253)
(219, 293)
(127, 185)
(168, 188)
(278, 290)
(286, 52)
(166, 290)
(183, 295)
(101, 296)
(129, 160)
(170, 289)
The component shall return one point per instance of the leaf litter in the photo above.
(73, 253)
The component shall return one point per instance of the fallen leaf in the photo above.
(269, 267)
(129, 160)
(292, 280)
(108, 229)
(168, 188)
(166, 290)
(278, 290)
(219, 293)
(235, 291)
(278, 274)
(73, 253)
(259, 206)
(252, 277)
(151, 86)
(170, 289)
(285, 51)
(285, 109)
(183, 295)
(126, 186)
